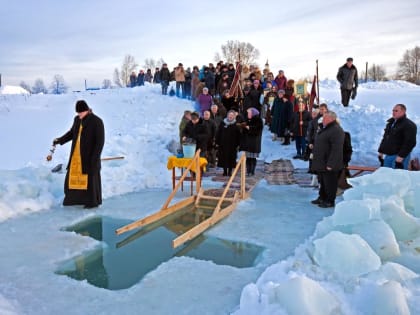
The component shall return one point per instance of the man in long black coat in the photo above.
(328, 159)
(82, 185)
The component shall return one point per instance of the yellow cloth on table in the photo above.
(173, 161)
(77, 180)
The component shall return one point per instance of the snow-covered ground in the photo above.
(363, 258)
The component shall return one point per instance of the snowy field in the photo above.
(363, 257)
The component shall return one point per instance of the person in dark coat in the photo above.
(281, 114)
(133, 79)
(82, 185)
(348, 78)
(148, 77)
(299, 127)
(252, 129)
(156, 76)
(227, 139)
(328, 159)
(228, 101)
(399, 139)
(247, 100)
(211, 140)
(255, 95)
(140, 78)
(209, 81)
(196, 130)
(164, 78)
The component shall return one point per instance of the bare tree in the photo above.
(39, 87)
(409, 66)
(117, 79)
(129, 65)
(58, 86)
(217, 57)
(375, 73)
(106, 84)
(25, 86)
(150, 63)
(231, 51)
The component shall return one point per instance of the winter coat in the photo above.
(148, 77)
(180, 74)
(227, 138)
(347, 149)
(209, 80)
(217, 118)
(156, 77)
(92, 142)
(229, 103)
(295, 126)
(198, 132)
(255, 95)
(252, 137)
(328, 148)
(165, 75)
(205, 101)
(281, 113)
(247, 102)
(211, 130)
(347, 77)
(281, 82)
(140, 79)
(312, 129)
(398, 138)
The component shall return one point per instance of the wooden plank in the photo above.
(360, 169)
(199, 195)
(243, 176)
(200, 228)
(156, 216)
(222, 198)
(216, 198)
(112, 158)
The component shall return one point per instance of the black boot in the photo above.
(253, 166)
(248, 166)
(225, 171)
(229, 172)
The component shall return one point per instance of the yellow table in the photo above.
(182, 163)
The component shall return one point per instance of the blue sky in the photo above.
(88, 39)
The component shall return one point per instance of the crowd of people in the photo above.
(225, 124)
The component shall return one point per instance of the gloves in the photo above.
(56, 141)
(399, 165)
(381, 160)
(353, 93)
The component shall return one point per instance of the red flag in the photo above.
(313, 93)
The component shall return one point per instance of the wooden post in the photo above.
(243, 176)
(366, 73)
(317, 83)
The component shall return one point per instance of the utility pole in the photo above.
(366, 72)
(0, 79)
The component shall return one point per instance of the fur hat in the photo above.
(81, 106)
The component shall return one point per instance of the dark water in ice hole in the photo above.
(123, 260)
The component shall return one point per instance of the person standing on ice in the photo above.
(328, 159)
(399, 139)
(347, 76)
(82, 185)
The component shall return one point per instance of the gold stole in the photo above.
(77, 180)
